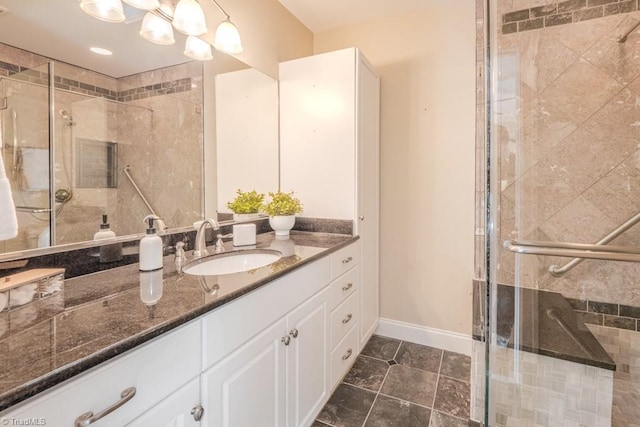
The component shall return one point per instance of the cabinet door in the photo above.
(368, 190)
(317, 128)
(307, 360)
(247, 388)
(174, 411)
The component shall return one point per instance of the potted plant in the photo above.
(246, 205)
(282, 210)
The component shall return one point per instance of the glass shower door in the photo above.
(24, 130)
(564, 248)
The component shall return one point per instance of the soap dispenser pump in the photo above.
(150, 248)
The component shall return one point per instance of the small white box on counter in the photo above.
(244, 234)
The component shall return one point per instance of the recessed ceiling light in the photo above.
(100, 51)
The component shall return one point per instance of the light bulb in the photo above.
(197, 49)
(104, 10)
(156, 30)
(228, 38)
(189, 18)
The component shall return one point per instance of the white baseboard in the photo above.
(450, 341)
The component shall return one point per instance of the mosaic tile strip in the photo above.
(540, 390)
(148, 91)
(607, 314)
(564, 12)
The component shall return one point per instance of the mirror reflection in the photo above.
(124, 141)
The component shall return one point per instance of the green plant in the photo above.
(246, 203)
(282, 204)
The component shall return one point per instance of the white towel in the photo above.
(8, 218)
(35, 168)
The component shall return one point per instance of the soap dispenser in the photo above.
(105, 231)
(150, 248)
(112, 252)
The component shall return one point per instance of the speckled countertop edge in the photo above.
(63, 373)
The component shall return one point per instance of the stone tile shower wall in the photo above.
(569, 106)
(163, 146)
(165, 151)
(532, 390)
(569, 158)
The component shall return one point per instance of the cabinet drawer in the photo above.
(344, 259)
(343, 287)
(343, 356)
(343, 318)
(155, 369)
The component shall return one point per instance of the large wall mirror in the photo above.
(121, 134)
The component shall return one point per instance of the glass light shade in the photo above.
(157, 30)
(143, 4)
(189, 18)
(104, 10)
(198, 49)
(228, 38)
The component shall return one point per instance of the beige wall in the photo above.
(426, 61)
(270, 34)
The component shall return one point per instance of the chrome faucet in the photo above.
(200, 248)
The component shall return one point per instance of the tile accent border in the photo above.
(564, 12)
(607, 314)
(446, 340)
(148, 91)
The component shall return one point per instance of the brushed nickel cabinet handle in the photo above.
(347, 260)
(286, 339)
(347, 354)
(89, 418)
(294, 333)
(346, 287)
(197, 412)
(347, 319)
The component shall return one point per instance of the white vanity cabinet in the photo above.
(156, 369)
(269, 358)
(177, 410)
(274, 376)
(329, 153)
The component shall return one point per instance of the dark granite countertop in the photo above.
(545, 324)
(103, 314)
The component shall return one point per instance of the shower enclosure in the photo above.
(60, 148)
(557, 340)
(77, 144)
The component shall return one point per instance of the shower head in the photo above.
(68, 117)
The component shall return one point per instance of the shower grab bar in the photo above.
(135, 186)
(559, 271)
(32, 209)
(574, 250)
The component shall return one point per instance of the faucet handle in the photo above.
(220, 243)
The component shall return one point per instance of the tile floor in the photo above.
(401, 384)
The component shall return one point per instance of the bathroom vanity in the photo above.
(264, 347)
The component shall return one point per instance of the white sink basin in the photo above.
(232, 262)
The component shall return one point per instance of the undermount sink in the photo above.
(232, 262)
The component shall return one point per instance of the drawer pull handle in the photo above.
(197, 412)
(346, 287)
(286, 339)
(347, 319)
(347, 260)
(294, 333)
(89, 418)
(347, 354)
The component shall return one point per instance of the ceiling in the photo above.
(59, 29)
(324, 15)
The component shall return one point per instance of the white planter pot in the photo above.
(282, 224)
(245, 217)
